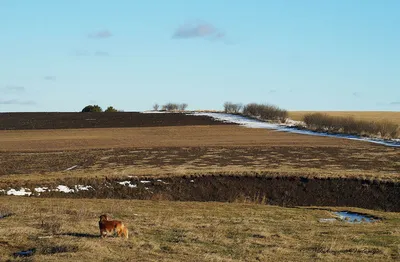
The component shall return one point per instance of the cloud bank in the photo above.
(16, 102)
(50, 78)
(102, 34)
(198, 30)
(12, 89)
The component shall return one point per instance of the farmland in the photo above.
(359, 115)
(228, 163)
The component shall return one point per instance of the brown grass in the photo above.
(189, 231)
(359, 115)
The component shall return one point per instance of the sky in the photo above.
(299, 55)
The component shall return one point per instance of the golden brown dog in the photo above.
(111, 226)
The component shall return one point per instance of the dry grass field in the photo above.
(360, 115)
(67, 230)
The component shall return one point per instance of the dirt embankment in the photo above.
(58, 120)
(283, 191)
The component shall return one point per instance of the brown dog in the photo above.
(111, 226)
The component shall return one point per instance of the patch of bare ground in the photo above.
(151, 137)
(67, 230)
(374, 162)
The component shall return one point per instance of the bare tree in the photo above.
(182, 107)
(232, 108)
(156, 106)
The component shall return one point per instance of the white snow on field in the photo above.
(145, 181)
(127, 183)
(289, 127)
(21, 192)
(64, 189)
(41, 189)
(82, 187)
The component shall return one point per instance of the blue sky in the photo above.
(300, 55)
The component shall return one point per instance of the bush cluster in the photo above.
(232, 108)
(97, 108)
(259, 111)
(351, 126)
(92, 108)
(265, 112)
(172, 107)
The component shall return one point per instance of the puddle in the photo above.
(353, 217)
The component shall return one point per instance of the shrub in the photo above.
(265, 112)
(155, 107)
(232, 108)
(174, 107)
(111, 109)
(92, 108)
(351, 126)
(182, 107)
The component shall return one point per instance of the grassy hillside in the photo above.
(190, 231)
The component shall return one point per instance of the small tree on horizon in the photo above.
(232, 108)
(156, 106)
(92, 108)
(182, 107)
(111, 109)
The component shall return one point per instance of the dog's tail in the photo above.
(125, 231)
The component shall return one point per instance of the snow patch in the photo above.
(64, 189)
(82, 187)
(127, 183)
(145, 181)
(41, 189)
(21, 192)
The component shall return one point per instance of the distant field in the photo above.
(187, 149)
(73, 120)
(362, 115)
(66, 230)
(183, 136)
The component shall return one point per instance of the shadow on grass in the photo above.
(84, 235)
(5, 215)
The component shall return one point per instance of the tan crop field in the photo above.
(186, 136)
(393, 116)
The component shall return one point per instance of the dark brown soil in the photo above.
(58, 120)
(274, 190)
(379, 160)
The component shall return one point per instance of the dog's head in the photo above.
(103, 217)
